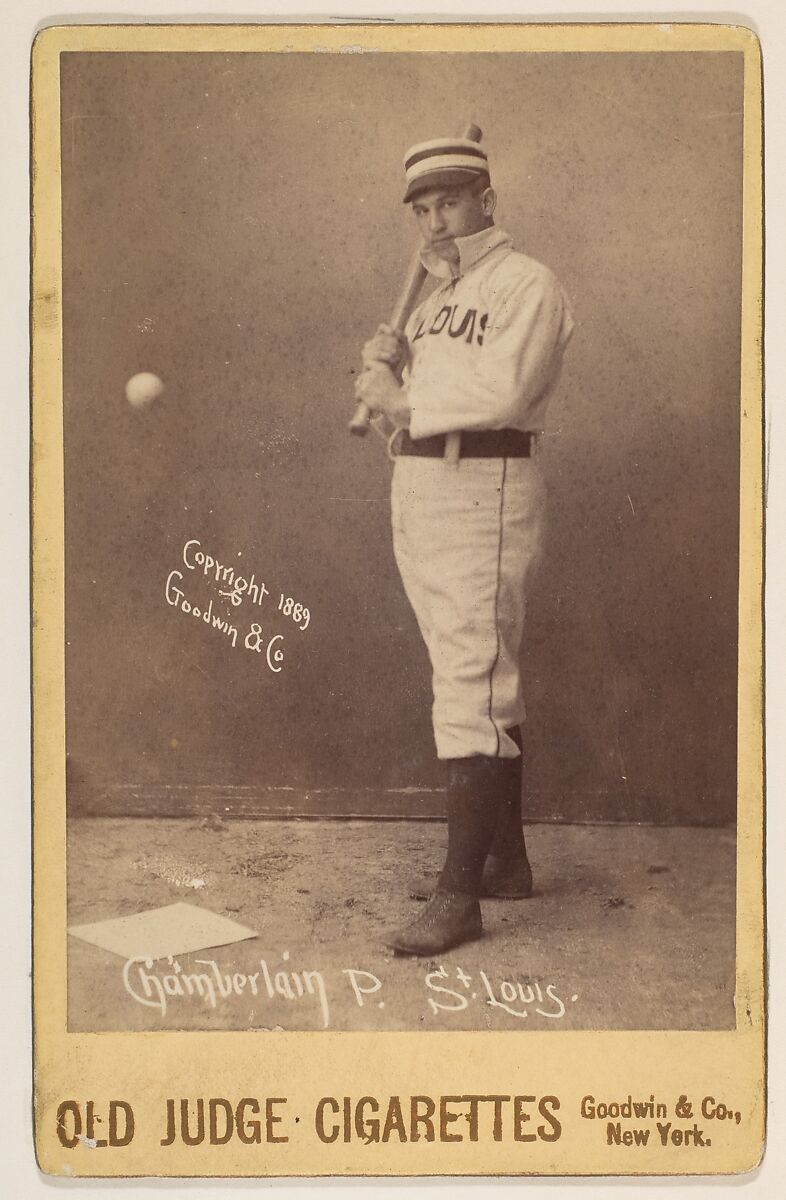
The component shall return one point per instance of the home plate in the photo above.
(163, 932)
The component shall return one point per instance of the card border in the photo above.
(67, 1062)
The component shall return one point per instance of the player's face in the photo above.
(444, 214)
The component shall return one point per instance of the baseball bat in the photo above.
(404, 306)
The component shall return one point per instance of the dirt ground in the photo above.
(628, 928)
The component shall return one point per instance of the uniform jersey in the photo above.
(485, 353)
(485, 347)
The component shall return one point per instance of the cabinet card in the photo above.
(260, 686)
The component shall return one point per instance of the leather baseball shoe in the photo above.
(501, 881)
(449, 919)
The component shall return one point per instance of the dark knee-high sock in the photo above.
(508, 841)
(473, 803)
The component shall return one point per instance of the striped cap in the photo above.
(441, 162)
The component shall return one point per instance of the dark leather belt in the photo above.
(478, 443)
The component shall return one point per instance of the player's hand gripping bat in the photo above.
(406, 302)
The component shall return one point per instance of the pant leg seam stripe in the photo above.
(496, 605)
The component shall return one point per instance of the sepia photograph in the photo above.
(398, 482)
(401, 592)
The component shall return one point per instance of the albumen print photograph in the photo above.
(401, 435)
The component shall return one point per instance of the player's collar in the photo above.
(471, 249)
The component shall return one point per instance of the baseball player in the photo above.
(466, 387)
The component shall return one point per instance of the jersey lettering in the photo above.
(467, 323)
(441, 319)
(457, 325)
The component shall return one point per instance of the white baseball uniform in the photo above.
(485, 353)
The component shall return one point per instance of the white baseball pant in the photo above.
(466, 537)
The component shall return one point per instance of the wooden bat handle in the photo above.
(404, 306)
(406, 302)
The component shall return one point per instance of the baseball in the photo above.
(143, 389)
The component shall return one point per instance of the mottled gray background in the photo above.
(233, 222)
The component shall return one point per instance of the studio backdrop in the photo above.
(237, 637)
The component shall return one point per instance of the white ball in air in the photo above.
(143, 389)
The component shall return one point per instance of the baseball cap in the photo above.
(442, 162)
